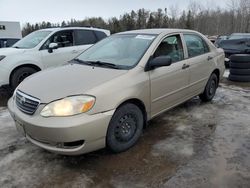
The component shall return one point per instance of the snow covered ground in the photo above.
(194, 145)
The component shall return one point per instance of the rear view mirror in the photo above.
(159, 61)
(52, 46)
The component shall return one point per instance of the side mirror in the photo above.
(52, 46)
(159, 61)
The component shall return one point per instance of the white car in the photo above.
(43, 49)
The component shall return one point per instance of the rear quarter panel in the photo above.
(219, 60)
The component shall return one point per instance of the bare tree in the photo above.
(210, 20)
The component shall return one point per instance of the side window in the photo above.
(2, 27)
(4, 43)
(100, 35)
(171, 46)
(195, 45)
(85, 37)
(62, 38)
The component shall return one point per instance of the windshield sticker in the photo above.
(145, 37)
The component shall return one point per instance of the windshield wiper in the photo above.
(104, 64)
(15, 47)
(81, 61)
(98, 63)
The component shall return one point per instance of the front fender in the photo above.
(132, 85)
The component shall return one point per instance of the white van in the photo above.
(10, 33)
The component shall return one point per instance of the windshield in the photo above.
(122, 50)
(32, 40)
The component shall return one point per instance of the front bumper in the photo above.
(55, 132)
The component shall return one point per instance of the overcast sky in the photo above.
(56, 11)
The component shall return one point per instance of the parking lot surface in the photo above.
(194, 145)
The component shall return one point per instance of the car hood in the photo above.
(67, 80)
(11, 51)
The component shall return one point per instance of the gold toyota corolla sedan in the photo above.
(105, 96)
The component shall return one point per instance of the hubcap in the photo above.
(212, 87)
(126, 128)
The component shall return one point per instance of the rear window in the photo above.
(100, 35)
(195, 45)
(83, 37)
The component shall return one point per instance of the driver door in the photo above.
(65, 52)
(169, 84)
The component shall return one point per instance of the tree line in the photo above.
(207, 20)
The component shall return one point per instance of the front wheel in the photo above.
(210, 88)
(124, 128)
(20, 74)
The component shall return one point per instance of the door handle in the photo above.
(209, 58)
(185, 66)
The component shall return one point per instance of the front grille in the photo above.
(27, 104)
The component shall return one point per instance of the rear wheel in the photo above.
(20, 74)
(210, 89)
(124, 128)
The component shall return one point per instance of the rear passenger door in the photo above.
(84, 39)
(169, 84)
(200, 61)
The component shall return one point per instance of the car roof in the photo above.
(240, 34)
(156, 31)
(53, 29)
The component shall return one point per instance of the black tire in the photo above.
(239, 78)
(226, 64)
(242, 58)
(240, 71)
(238, 65)
(19, 75)
(124, 128)
(210, 88)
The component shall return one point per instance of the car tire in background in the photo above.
(19, 75)
(239, 65)
(243, 58)
(239, 78)
(239, 71)
(239, 68)
(124, 128)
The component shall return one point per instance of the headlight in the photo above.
(2, 57)
(68, 106)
